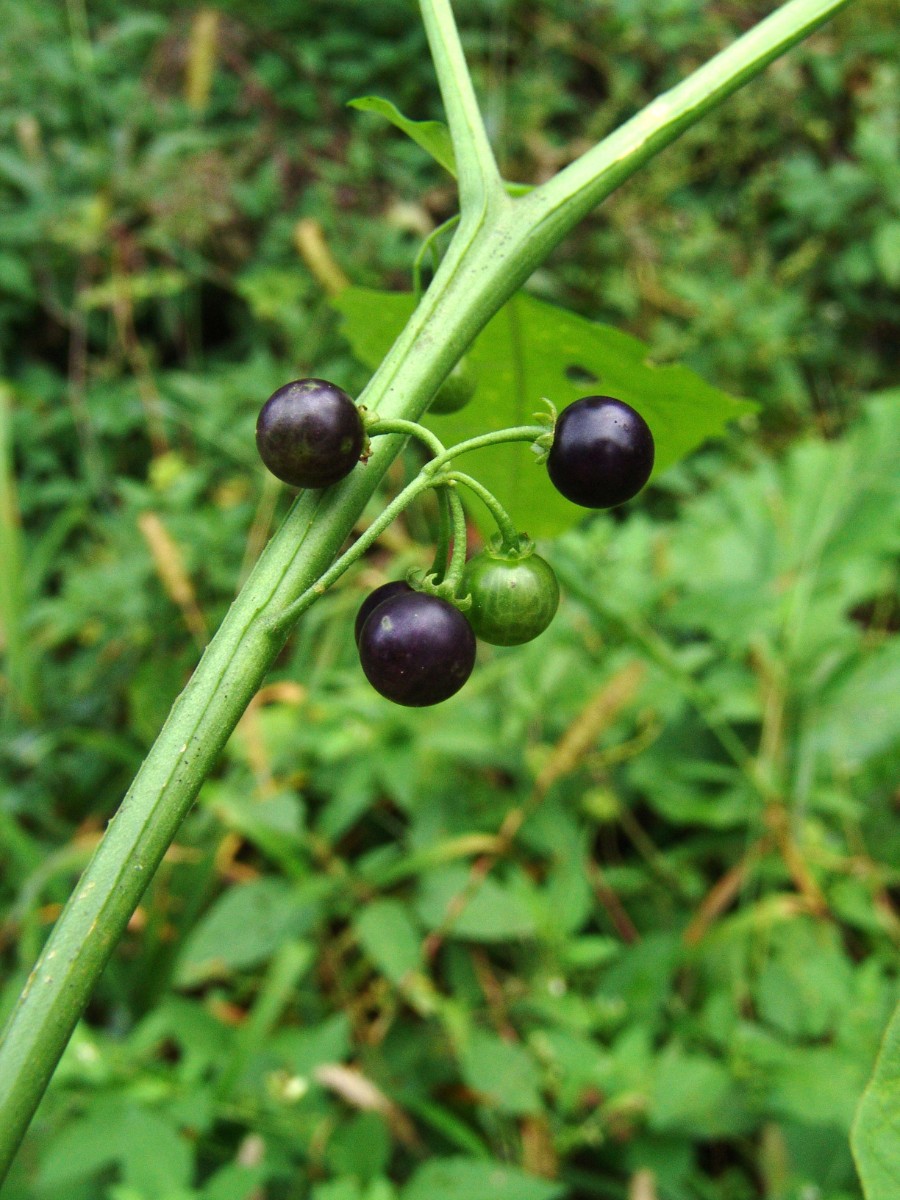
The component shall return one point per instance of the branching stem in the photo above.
(431, 475)
(508, 533)
(497, 437)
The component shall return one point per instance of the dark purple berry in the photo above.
(397, 587)
(310, 433)
(602, 452)
(416, 649)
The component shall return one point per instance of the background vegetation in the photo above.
(623, 914)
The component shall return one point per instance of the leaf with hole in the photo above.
(531, 350)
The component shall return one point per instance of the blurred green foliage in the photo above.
(621, 915)
(876, 1139)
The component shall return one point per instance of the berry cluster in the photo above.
(418, 648)
(417, 644)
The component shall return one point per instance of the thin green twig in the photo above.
(457, 565)
(497, 437)
(508, 532)
(430, 245)
(442, 543)
(409, 429)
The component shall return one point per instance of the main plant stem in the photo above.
(498, 243)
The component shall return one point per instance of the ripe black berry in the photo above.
(397, 587)
(602, 452)
(416, 649)
(310, 433)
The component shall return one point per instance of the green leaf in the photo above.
(82, 1147)
(492, 914)
(642, 976)
(154, 1158)
(861, 718)
(274, 824)
(349, 1188)
(372, 320)
(805, 985)
(503, 1073)
(694, 1095)
(361, 1148)
(574, 1062)
(305, 1049)
(235, 1181)
(432, 136)
(819, 1085)
(338, 1189)
(813, 1085)
(452, 1178)
(243, 928)
(202, 1039)
(532, 350)
(876, 1130)
(389, 938)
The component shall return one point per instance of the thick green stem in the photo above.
(569, 196)
(498, 243)
(479, 178)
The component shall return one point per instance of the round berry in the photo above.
(457, 389)
(416, 649)
(514, 598)
(602, 452)
(310, 433)
(397, 587)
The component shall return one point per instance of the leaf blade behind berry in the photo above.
(531, 350)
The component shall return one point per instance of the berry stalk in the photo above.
(509, 535)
